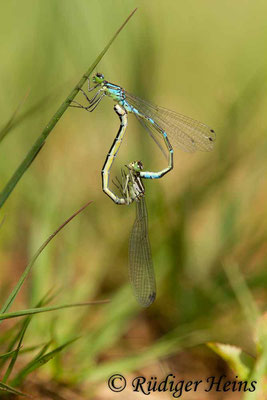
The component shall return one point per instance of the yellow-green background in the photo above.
(205, 59)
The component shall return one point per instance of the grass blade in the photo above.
(15, 355)
(11, 390)
(24, 275)
(51, 124)
(39, 310)
(20, 336)
(27, 369)
(8, 354)
(48, 297)
(38, 362)
(9, 125)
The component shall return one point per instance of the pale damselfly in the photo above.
(184, 132)
(141, 271)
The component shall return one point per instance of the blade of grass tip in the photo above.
(43, 350)
(37, 363)
(4, 131)
(51, 124)
(28, 349)
(242, 292)
(24, 275)
(39, 310)
(44, 300)
(48, 297)
(11, 390)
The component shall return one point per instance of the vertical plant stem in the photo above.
(51, 124)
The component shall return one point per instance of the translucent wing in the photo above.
(154, 134)
(141, 270)
(182, 131)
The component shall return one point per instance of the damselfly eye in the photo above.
(101, 76)
(140, 165)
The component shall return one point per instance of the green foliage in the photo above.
(43, 357)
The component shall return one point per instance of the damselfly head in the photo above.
(98, 78)
(136, 166)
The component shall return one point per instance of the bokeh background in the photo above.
(206, 218)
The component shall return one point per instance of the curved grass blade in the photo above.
(141, 270)
(51, 124)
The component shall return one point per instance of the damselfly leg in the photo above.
(93, 102)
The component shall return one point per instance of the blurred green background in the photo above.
(203, 59)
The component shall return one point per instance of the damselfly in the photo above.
(122, 113)
(131, 187)
(141, 271)
(184, 132)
